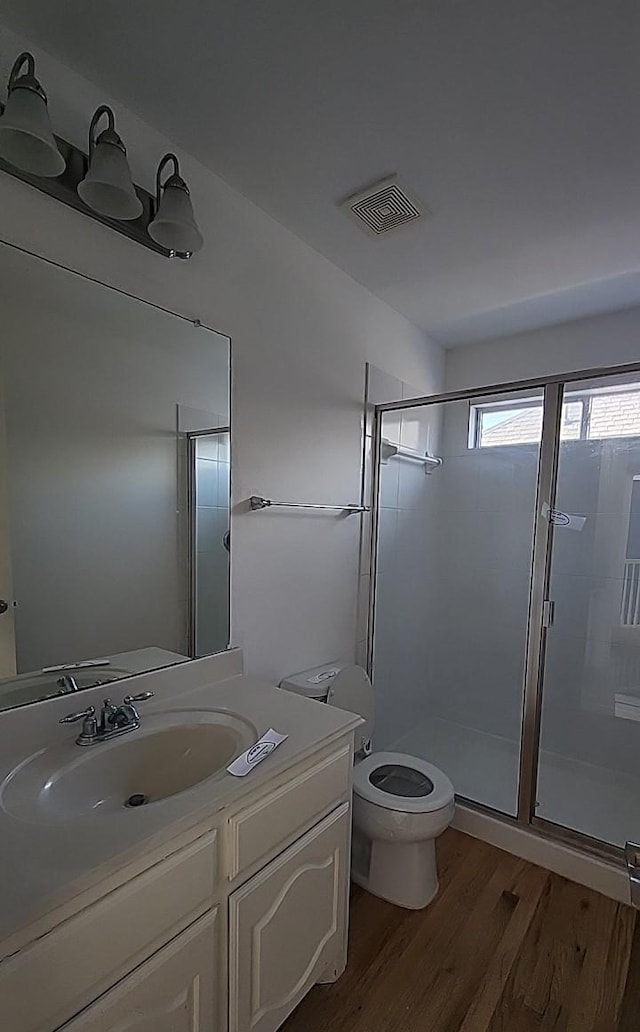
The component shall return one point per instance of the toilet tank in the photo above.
(351, 692)
(314, 683)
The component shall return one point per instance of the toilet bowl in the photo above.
(401, 803)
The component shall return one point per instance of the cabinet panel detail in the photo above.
(274, 819)
(172, 992)
(87, 954)
(285, 922)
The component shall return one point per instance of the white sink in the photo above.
(170, 753)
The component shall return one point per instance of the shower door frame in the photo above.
(537, 622)
(191, 439)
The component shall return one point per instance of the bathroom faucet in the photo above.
(113, 721)
(107, 714)
(67, 684)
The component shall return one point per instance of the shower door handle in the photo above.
(548, 612)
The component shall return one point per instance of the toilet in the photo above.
(400, 803)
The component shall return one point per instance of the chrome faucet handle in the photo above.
(130, 709)
(71, 718)
(141, 697)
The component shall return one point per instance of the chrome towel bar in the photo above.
(256, 502)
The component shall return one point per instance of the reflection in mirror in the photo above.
(209, 464)
(114, 484)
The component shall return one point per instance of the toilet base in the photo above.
(402, 873)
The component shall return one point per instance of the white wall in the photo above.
(301, 332)
(603, 340)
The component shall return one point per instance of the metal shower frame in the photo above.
(553, 388)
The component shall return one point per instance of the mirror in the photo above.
(114, 484)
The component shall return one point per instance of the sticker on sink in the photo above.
(252, 757)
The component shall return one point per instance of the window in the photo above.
(586, 416)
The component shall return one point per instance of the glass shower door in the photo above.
(589, 756)
(453, 569)
(210, 471)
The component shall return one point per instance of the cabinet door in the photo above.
(287, 924)
(84, 956)
(175, 991)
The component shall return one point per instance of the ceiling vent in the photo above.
(383, 207)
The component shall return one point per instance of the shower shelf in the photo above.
(391, 451)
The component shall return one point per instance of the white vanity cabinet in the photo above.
(174, 991)
(285, 924)
(93, 949)
(224, 933)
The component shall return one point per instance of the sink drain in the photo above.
(137, 799)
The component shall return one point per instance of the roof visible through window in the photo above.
(587, 416)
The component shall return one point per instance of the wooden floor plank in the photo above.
(445, 989)
(629, 1015)
(471, 953)
(529, 888)
(544, 981)
(600, 988)
(563, 935)
(505, 947)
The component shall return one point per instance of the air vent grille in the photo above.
(385, 206)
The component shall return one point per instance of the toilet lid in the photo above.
(400, 782)
(351, 690)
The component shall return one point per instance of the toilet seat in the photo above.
(414, 786)
(350, 689)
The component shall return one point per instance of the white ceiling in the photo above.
(516, 121)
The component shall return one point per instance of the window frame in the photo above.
(478, 408)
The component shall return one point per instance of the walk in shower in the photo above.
(506, 610)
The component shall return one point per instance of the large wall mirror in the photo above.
(114, 484)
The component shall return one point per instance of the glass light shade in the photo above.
(174, 226)
(107, 187)
(26, 139)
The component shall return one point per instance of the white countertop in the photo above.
(43, 866)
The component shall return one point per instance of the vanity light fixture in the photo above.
(26, 138)
(98, 185)
(107, 187)
(174, 226)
